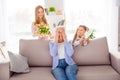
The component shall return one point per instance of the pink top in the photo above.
(34, 30)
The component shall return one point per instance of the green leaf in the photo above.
(92, 35)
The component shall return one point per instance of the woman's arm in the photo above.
(69, 48)
(34, 30)
(53, 48)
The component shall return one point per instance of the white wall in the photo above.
(113, 25)
(3, 20)
(111, 30)
(118, 4)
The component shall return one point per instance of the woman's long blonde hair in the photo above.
(37, 20)
(75, 36)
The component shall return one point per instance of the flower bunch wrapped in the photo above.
(42, 29)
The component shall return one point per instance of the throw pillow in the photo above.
(18, 63)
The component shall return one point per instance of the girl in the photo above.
(64, 68)
(39, 19)
(79, 37)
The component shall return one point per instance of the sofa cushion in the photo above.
(101, 72)
(37, 73)
(96, 52)
(37, 52)
(18, 63)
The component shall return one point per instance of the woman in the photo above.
(64, 68)
(79, 38)
(39, 19)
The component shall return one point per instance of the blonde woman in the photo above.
(79, 37)
(64, 67)
(39, 19)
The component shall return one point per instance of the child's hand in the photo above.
(82, 38)
(85, 41)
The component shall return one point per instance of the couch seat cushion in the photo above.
(105, 72)
(37, 73)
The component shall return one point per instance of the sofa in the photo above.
(95, 61)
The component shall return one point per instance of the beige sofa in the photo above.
(94, 60)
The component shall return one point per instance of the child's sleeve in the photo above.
(76, 43)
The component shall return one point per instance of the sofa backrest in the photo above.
(95, 53)
(37, 52)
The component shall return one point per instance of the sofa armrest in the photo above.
(4, 70)
(115, 60)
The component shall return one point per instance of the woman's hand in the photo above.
(56, 36)
(64, 36)
(60, 36)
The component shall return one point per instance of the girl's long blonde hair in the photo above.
(37, 20)
(75, 36)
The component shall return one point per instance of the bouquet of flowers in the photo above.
(91, 34)
(42, 29)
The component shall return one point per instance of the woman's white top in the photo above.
(61, 50)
